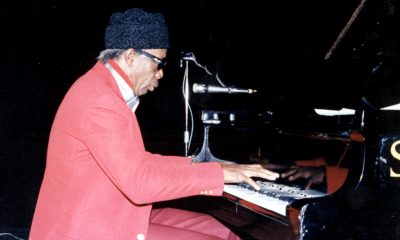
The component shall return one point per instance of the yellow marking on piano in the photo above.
(396, 155)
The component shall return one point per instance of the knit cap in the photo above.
(137, 29)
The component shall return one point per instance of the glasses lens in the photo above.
(160, 62)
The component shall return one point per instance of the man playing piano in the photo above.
(100, 182)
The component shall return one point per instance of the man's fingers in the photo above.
(234, 173)
(252, 183)
(260, 171)
(269, 175)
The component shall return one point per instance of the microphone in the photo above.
(204, 88)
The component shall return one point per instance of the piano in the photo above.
(358, 152)
(364, 145)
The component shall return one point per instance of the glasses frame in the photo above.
(160, 62)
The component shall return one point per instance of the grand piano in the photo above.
(353, 137)
(361, 204)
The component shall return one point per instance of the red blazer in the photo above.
(99, 181)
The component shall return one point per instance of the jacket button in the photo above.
(140, 236)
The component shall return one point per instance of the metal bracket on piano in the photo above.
(205, 154)
(209, 118)
(215, 117)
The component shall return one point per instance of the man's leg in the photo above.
(170, 222)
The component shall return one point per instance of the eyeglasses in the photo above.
(160, 62)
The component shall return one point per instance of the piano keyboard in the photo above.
(272, 196)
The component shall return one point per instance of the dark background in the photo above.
(276, 47)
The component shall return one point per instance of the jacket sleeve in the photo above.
(112, 135)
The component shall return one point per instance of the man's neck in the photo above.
(119, 67)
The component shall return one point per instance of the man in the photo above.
(99, 181)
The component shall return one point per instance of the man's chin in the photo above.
(139, 92)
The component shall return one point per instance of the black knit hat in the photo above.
(136, 29)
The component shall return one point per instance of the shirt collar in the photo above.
(124, 85)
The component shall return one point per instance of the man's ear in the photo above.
(129, 56)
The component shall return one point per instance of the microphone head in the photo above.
(199, 88)
(250, 91)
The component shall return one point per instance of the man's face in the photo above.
(147, 70)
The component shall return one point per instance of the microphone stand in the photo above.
(187, 136)
(186, 96)
(185, 88)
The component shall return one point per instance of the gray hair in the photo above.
(108, 54)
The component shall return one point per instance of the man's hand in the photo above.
(235, 173)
